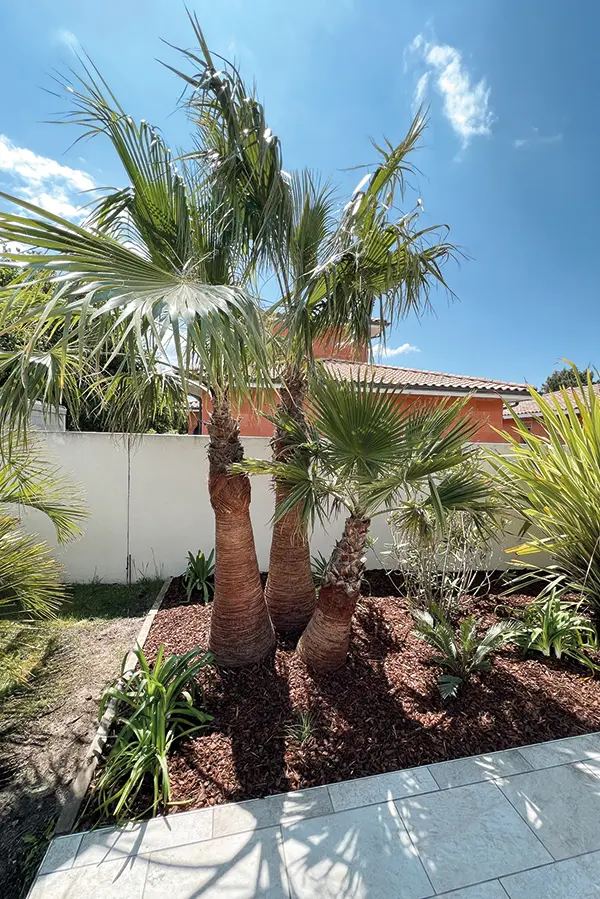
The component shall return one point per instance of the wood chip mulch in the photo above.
(379, 713)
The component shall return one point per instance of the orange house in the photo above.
(412, 386)
(528, 411)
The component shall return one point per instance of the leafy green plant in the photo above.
(461, 650)
(200, 575)
(156, 706)
(553, 481)
(554, 626)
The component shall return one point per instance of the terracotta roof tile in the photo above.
(417, 379)
(528, 407)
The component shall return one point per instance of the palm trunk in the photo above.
(325, 642)
(241, 632)
(290, 592)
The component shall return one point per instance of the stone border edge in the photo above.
(79, 785)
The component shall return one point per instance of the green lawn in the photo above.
(29, 646)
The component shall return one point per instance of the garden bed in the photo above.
(381, 712)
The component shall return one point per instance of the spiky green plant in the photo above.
(200, 575)
(554, 626)
(553, 482)
(461, 650)
(156, 707)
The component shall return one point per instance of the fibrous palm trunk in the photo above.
(290, 592)
(241, 632)
(325, 642)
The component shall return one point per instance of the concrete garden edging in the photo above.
(79, 786)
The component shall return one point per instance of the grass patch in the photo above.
(98, 600)
(27, 648)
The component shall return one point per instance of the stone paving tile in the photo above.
(111, 844)
(575, 878)
(469, 834)
(112, 880)
(459, 772)
(280, 809)
(561, 752)
(380, 788)
(490, 890)
(561, 805)
(362, 853)
(176, 830)
(61, 853)
(239, 866)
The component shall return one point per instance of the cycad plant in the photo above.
(337, 262)
(463, 649)
(367, 453)
(554, 481)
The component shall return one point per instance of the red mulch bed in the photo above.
(381, 712)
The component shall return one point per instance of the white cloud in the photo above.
(387, 352)
(58, 203)
(537, 140)
(43, 181)
(466, 103)
(68, 38)
(421, 90)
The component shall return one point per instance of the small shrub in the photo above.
(553, 626)
(440, 566)
(155, 707)
(200, 575)
(461, 650)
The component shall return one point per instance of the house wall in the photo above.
(148, 504)
(532, 423)
(487, 412)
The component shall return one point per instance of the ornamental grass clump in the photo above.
(156, 706)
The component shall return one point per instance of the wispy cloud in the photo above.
(43, 181)
(388, 352)
(68, 38)
(466, 102)
(537, 140)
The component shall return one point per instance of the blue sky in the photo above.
(510, 157)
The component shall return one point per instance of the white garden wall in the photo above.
(148, 505)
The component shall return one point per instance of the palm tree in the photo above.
(341, 272)
(158, 278)
(334, 272)
(369, 455)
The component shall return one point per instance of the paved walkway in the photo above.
(523, 824)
